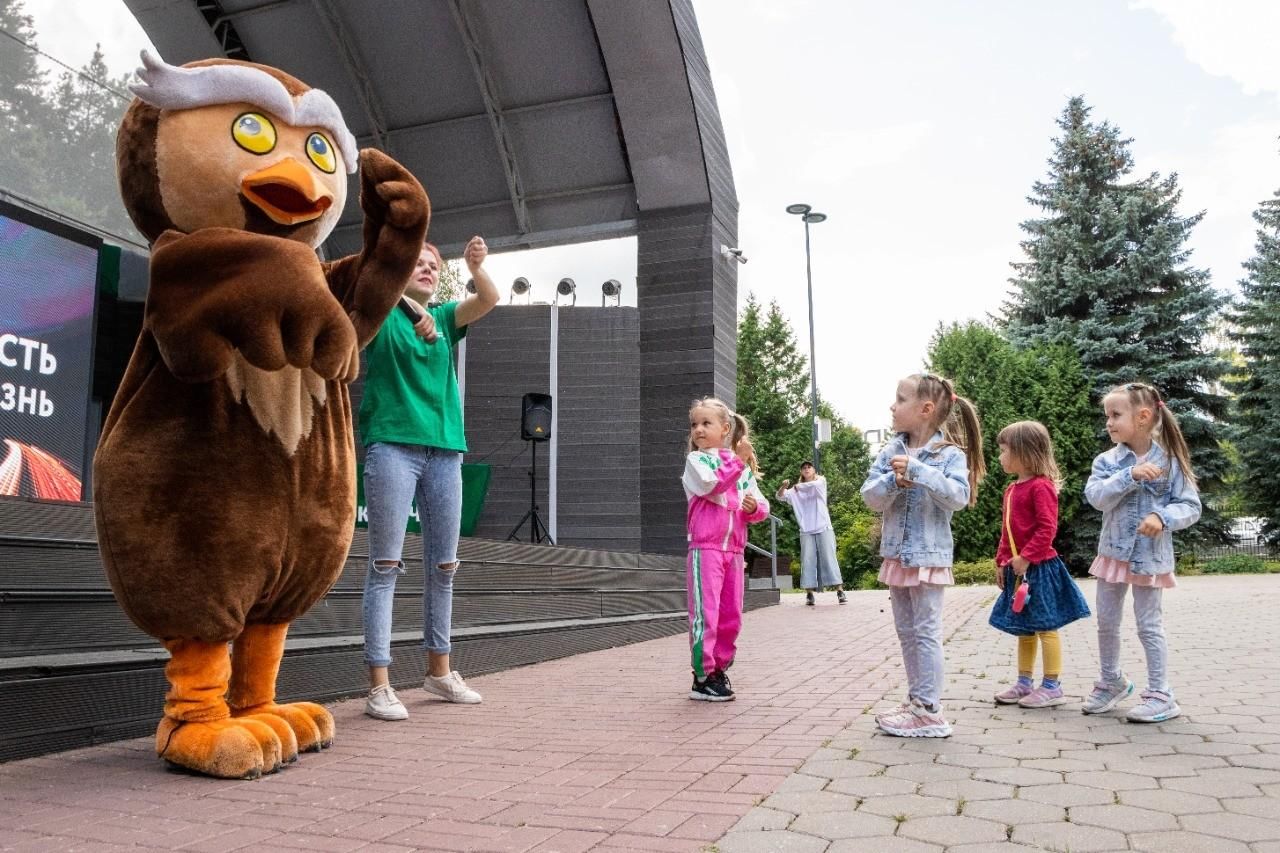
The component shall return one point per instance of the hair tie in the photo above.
(954, 397)
(1159, 404)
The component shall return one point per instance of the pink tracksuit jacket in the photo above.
(715, 483)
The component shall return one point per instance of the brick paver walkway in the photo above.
(1015, 780)
(603, 752)
(599, 751)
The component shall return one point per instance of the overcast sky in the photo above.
(918, 128)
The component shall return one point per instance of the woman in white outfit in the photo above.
(818, 566)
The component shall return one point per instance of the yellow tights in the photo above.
(1051, 645)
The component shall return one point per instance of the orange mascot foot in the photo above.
(227, 749)
(311, 724)
(281, 729)
(196, 732)
(255, 661)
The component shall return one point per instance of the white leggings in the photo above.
(917, 615)
(1147, 613)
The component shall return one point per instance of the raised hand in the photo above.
(475, 253)
(390, 195)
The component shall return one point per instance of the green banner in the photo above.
(475, 485)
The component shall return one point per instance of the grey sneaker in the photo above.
(383, 704)
(451, 688)
(1156, 707)
(1106, 696)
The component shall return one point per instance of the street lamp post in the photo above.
(809, 215)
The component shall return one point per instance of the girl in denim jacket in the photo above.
(1146, 490)
(930, 469)
(723, 498)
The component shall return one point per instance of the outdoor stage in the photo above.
(67, 649)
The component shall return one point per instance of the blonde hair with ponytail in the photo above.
(742, 432)
(1164, 430)
(958, 419)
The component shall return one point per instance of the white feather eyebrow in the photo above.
(170, 87)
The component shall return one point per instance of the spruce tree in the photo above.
(25, 115)
(1107, 273)
(1256, 319)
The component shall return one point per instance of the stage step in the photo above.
(65, 645)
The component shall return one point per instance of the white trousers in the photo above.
(917, 616)
(1147, 612)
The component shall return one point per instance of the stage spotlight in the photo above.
(471, 285)
(519, 288)
(611, 289)
(566, 287)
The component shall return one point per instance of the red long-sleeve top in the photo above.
(1032, 511)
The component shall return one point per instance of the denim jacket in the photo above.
(1125, 501)
(917, 520)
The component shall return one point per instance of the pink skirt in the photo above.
(1112, 570)
(893, 573)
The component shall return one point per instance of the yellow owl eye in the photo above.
(321, 153)
(254, 132)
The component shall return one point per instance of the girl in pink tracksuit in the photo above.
(723, 499)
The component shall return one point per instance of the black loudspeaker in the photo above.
(535, 418)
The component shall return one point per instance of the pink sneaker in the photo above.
(916, 722)
(1043, 697)
(893, 712)
(1014, 694)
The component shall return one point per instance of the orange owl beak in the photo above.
(287, 192)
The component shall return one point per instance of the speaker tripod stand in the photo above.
(537, 530)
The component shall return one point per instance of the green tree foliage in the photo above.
(451, 286)
(1107, 273)
(1256, 318)
(773, 394)
(59, 138)
(1043, 383)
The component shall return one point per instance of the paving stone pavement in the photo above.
(601, 751)
(1011, 779)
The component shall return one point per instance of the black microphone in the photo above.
(410, 309)
(414, 313)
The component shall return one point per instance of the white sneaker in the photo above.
(383, 704)
(451, 688)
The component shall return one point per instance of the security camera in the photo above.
(732, 253)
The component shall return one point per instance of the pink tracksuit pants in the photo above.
(715, 583)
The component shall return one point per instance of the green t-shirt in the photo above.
(411, 386)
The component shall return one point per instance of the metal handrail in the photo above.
(772, 554)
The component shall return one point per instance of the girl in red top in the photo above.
(1026, 556)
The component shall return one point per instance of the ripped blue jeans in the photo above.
(393, 475)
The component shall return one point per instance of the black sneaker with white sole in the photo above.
(808, 598)
(841, 597)
(721, 678)
(714, 689)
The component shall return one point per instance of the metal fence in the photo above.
(1251, 549)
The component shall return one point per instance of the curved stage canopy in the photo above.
(533, 122)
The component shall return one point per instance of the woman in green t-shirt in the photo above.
(411, 426)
